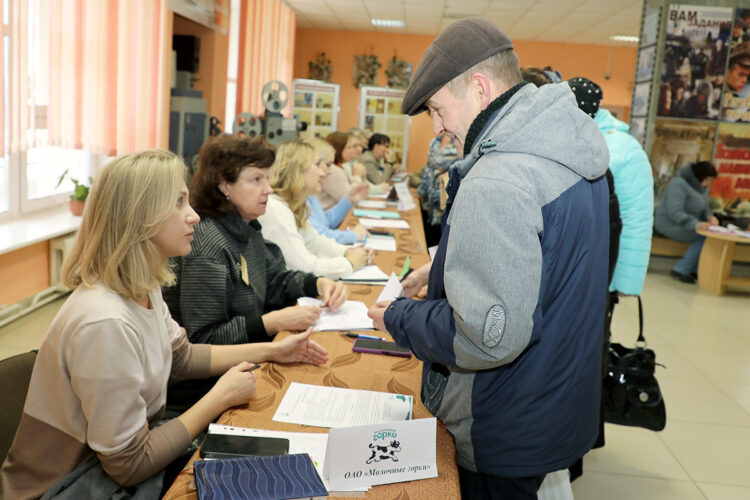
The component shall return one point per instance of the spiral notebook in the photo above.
(263, 478)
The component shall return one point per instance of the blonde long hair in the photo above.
(130, 201)
(287, 177)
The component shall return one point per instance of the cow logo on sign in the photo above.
(385, 445)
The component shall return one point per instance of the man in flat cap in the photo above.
(510, 333)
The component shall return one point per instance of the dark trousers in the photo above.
(478, 486)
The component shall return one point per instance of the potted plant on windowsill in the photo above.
(80, 193)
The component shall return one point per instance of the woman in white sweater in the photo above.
(295, 175)
(98, 388)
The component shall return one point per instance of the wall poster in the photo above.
(677, 143)
(730, 192)
(380, 111)
(317, 104)
(737, 91)
(694, 58)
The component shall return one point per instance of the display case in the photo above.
(317, 104)
(380, 111)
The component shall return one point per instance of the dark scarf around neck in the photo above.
(484, 116)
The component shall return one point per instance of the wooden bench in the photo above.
(715, 266)
(669, 248)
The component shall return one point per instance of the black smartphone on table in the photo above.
(374, 346)
(231, 446)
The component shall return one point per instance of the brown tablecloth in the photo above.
(355, 371)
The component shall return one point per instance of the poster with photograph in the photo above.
(316, 104)
(646, 60)
(730, 191)
(638, 129)
(694, 57)
(650, 29)
(380, 111)
(736, 105)
(641, 94)
(677, 143)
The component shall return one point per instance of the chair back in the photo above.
(15, 374)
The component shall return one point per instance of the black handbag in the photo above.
(630, 392)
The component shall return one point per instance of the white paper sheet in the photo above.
(379, 196)
(350, 316)
(432, 251)
(321, 406)
(392, 290)
(372, 204)
(368, 275)
(388, 223)
(381, 242)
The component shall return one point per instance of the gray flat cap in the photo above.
(462, 45)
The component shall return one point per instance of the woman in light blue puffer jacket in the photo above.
(634, 187)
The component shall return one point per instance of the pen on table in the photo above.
(361, 336)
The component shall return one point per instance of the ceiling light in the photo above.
(387, 23)
(624, 38)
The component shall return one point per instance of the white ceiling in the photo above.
(573, 21)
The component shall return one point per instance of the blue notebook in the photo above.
(375, 214)
(267, 478)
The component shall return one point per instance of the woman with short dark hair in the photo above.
(684, 210)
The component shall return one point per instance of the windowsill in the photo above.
(35, 227)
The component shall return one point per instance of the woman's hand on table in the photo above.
(713, 221)
(299, 348)
(359, 170)
(361, 232)
(358, 192)
(377, 315)
(236, 386)
(333, 293)
(295, 318)
(413, 283)
(702, 226)
(358, 257)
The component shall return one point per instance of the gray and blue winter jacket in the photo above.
(510, 333)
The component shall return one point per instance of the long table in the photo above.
(352, 370)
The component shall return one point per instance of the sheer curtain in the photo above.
(107, 74)
(266, 52)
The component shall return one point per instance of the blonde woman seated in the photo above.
(294, 176)
(98, 387)
(326, 222)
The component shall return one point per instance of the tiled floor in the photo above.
(704, 452)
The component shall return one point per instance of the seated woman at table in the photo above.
(346, 171)
(377, 159)
(98, 388)
(234, 287)
(683, 210)
(326, 222)
(294, 176)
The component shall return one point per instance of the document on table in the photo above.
(368, 275)
(391, 224)
(381, 242)
(376, 214)
(405, 200)
(321, 406)
(392, 290)
(372, 204)
(350, 316)
(312, 443)
(379, 196)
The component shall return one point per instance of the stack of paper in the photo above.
(391, 224)
(372, 204)
(392, 290)
(350, 316)
(381, 242)
(368, 275)
(377, 214)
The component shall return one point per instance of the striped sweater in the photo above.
(210, 298)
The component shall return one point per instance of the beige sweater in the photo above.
(98, 387)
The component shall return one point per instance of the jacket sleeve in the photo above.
(374, 173)
(204, 304)
(634, 187)
(284, 287)
(676, 205)
(322, 221)
(303, 254)
(492, 276)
